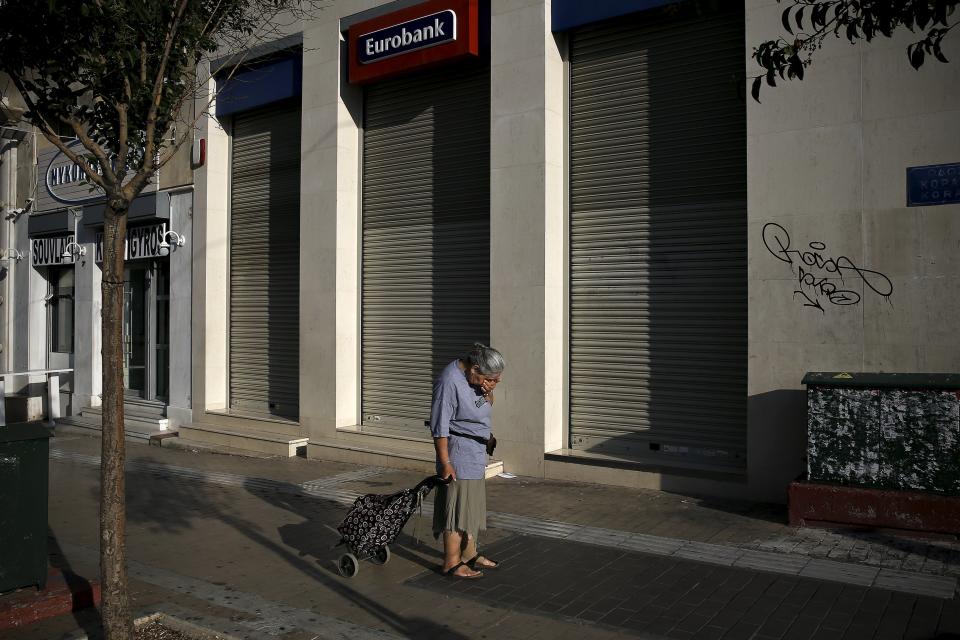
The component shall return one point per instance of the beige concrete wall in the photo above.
(527, 226)
(210, 263)
(330, 230)
(826, 161)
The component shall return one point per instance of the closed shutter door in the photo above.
(265, 262)
(658, 232)
(426, 238)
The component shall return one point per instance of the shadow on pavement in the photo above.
(312, 538)
(166, 504)
(88, 618)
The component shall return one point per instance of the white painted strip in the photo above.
(346, 476)
(651, 544)
(710, 553)
(936, 586)
(604, 537)
(268, 613)
(840, 572)
(775, 562)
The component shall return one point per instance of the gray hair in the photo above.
(488, 360)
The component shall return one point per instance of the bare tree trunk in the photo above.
(117, 620)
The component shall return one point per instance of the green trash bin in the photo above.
(24, 464)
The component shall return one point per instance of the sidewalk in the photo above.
(241, 544)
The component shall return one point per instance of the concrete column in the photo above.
(36, 343)
(181, 220)
(527, 222)
(330, 236)
(210, 251)
(88, 362)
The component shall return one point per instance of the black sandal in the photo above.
(472, 563)
(450, 573)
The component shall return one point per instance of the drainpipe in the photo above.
(8, 200)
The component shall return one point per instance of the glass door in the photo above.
(135, 330)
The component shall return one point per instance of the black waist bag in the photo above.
(490, 443)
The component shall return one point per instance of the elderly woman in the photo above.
(460, 423)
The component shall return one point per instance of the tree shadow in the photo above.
(168, 505)
(87, 618)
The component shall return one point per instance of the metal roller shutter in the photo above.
(658, 239)
(426, 238)
(265, 262)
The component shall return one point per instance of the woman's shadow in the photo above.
(314, 540)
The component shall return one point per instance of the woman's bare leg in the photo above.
(452, 553)
(470, 552)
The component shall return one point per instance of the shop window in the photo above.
(61, 310)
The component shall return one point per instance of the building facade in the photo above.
(55, 291)
(589, 188)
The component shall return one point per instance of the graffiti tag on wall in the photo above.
(818, 272)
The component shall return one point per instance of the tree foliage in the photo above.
(117, 75)
(853, 20)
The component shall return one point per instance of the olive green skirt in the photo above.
(460, 506)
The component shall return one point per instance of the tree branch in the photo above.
(51, 135)
(157, 91)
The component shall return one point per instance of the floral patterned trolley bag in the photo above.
(375, 521)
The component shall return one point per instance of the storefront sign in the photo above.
(45, 252)
(64, 180)
(933, 184)
(426, 34)
(61, 181)
(142, 242)
(410, 36)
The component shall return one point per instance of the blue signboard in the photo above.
(412, 35)
(567, 14)
(933, 184)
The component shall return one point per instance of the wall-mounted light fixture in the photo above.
(13, 254)
(177, 238)
(74, 249)
(13, 214)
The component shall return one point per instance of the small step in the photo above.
(383, 451)
(144, 411)
(243, 438)
(132, 431)
(134, 422)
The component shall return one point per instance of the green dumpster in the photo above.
(24, 462)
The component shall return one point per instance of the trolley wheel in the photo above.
(383, 555)
(348, 565)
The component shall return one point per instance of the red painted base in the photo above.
(812, 503)
(64, 594)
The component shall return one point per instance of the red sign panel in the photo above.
(428, 34)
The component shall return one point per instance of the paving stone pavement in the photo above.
(808, 566)
(257, 527)
(714, 521)
(934, 556)
(635, 592)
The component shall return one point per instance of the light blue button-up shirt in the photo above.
(460, 407)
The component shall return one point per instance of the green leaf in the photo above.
(755, 90)
(785, 19)
(938, 53)
(916, 57)
(796, 67)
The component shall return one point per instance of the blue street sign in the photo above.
(933, 184)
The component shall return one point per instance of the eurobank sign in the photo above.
(424, 35)
(420, 33)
